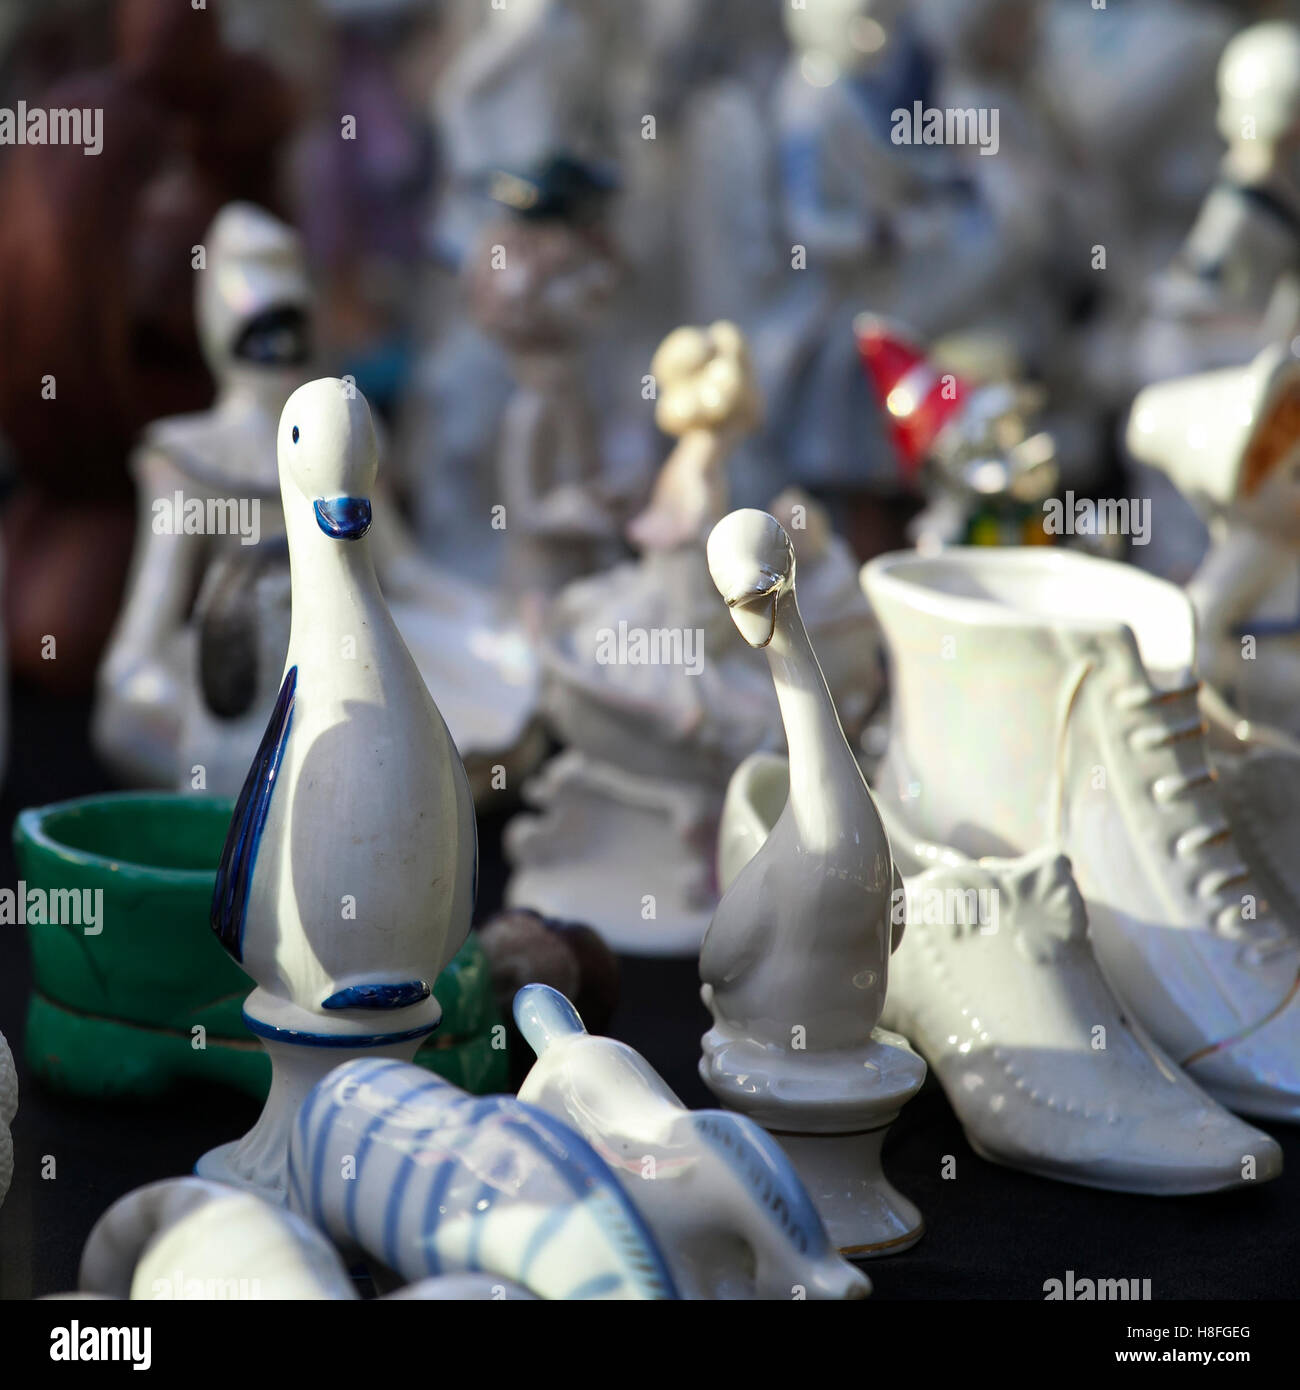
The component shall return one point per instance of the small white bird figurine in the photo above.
(729, 1211)
(796, 958)
(348, 876)
(803, 937)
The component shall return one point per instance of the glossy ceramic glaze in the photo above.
(724, 1202)
(1047, 699)
(998, 988)
(427, 1180)
(343, 932)
(795, 962)
(113, 1012)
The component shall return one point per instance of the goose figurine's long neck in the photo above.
(825, 780)
(335, 587)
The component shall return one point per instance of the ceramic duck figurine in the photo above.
(429, 1180)
(796, 958)
(344, 924)
(730, 1213)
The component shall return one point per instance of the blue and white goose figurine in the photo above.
(348, 876)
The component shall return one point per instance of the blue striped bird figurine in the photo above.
(348, 876)
(730, 1212)
(428, 1180)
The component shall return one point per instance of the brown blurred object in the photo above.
(97, 291)
(523, 947)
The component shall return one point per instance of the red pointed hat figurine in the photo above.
(917, 399)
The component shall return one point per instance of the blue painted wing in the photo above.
(235, 873)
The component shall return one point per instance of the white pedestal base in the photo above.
(864, 1214)
(830, 1113)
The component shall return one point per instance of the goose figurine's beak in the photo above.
(753, 606)
(343, 518)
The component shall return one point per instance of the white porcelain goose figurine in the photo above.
(823, 881)
(795, 961)
(348, 877)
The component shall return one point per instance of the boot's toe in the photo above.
(1198, 1149)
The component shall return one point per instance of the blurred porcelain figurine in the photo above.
(869, 218)
(1235, 285)
(971, 447)
(206, 483)
(1230, 441)
(656, 700)
(208, 502)
(538, 279)
(648, 685)
(521, 86)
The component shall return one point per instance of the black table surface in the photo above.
(990, 1233)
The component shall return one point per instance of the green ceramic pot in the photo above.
(137, 995)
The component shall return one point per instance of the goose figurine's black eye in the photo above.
(295, 434)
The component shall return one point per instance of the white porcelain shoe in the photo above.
(997, 987)
(1043, 698)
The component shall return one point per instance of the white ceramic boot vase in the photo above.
(795, 961)
(348, 876)
(1046, 698)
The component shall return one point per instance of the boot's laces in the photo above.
(1177, 719)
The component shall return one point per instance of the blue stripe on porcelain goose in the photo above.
(429, 1180)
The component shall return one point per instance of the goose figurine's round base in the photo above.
(259, 1160)
(830, 1115)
